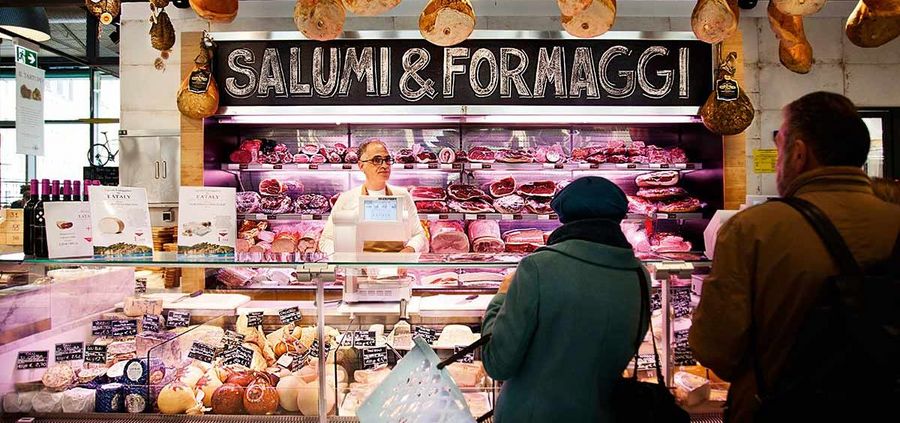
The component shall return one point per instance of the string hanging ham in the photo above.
(593, 21)
(873, 23)
(320, 20)
(715, 20)
(447, 22)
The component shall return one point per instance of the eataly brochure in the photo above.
(206, 221)
(68, 229)
(120, 221)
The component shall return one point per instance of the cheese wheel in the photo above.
(288, 390)
(320, 20)
(370, 7)
(58, 377)
(18, 402)
(308, 399)
(595, 20)
(47, 402)
(715, 20)
(110, 398)
(447, 22)
(208, 384)
(175, 398)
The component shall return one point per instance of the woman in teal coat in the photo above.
(563, 328)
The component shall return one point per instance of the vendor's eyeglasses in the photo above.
(380, 160)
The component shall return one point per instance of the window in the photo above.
(12, 167)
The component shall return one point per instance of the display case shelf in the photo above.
(291, 217)
(637, 167)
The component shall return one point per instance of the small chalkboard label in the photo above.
(70, 351)
(178, 319)
(95, 354)
(364, 338)
(32, 360)
(293, 361)
(140, 286)
(681, 301)
(232, 339)
(683, 356)
(468, 358)
(427, 334)
(646, 362)
(202, 352)
(151, 323)
(123, 328)
(241, 355)
(314, 349)
(289, 315)
(727, 89)
(255, 319)
(655, 301)
(374, 357)
(101, 327)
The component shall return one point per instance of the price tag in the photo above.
(313, 167)
(431, 217)
(202, 352)
(506, 217)
(240, 355)
(664, 166)
(95, 354)
(681, 301)
(485, 166)
(475, 165)
(543, 217)
(243, 166)
(293, 361)
(468, 358)
(443, 216)
(314, 349)
(374, 357)
(232, 339)
(347, 167)
(518, 217)
(101, 327)
(594, 166)
(271, 217)
(554, 217)
(32, 360)
(481, 217)
(457, 166)
(682, 354)
(178, 319)
(151, 323)
(471, 217)
(318, 217)
(140, 286)
(364, 338)
(432, 165)
(71, 351)
(646, 362)
(306, 217)
(409, 166)
(289, 315)
(123, 328)
(255, 319)
(427, 334)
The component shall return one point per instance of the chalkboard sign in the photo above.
(123, 328)
(255, 319)
(140, 286)
(682, 355)
(655, 301)
(70, 351)
(502, 72)
(646, 362)
(232, 339)
(289, 315)
(95, 354)
(427, 334)
(108, 176)
(101, 327)
(374, 357)
(364, 338)
(314, 349)
(151, 323)
(681, 301)
(32, 360)
(202, 352)
(178, 319)
(468, 358)
(241, 355)
(293, 361)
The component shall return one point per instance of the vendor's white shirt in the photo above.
(349, 200)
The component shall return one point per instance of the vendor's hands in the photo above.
(408, 250)
(507, 281)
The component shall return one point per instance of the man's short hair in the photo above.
(831, 126)
(362, 147)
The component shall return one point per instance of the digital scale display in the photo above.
(381, 209)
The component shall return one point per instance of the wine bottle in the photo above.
(39, 229)
(76, 190)
(33, 198)
(67, 190)
(54, 191)
(84, 195)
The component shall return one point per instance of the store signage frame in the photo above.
(697, 82)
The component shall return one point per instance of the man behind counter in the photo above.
(375, 162)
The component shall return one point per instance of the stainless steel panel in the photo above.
(139, 164)
(170, 168)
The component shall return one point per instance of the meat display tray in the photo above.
(467, 166)
(471, 216)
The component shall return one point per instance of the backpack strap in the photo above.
(834, 242)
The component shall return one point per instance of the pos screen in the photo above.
(381, 209)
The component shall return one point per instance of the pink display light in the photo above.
(443, 119)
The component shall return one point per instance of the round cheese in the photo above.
(78, 400)
(110, 398)
(18, 402)
(47, 402)
(58, 377)
(137, 398)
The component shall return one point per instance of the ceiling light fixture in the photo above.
(27, 22)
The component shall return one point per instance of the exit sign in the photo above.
(26, 56)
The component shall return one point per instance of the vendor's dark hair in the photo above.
(362, 147)
(831, 126)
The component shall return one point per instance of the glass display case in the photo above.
(92, 338)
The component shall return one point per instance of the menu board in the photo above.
(68, 229)
(206, 217)
(120, 221)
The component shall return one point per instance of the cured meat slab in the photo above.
(502, 187)
(448, 237)
(478, 205)
(538, 189)
(428, 193)
(463, 192)
(431, 206)
(485, 236)
(511, 204)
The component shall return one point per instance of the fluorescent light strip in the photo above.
(490, 119)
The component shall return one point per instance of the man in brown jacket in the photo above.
(772, 251)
